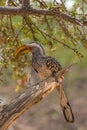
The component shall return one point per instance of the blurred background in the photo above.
(18, 30)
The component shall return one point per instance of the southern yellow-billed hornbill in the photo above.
(47, 66)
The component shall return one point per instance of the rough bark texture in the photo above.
(30, 97)
(24, 10)
(23, 102)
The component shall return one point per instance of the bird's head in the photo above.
(34, 48)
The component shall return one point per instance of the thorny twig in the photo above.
(29, 23)
(58, 41)
(66, 31)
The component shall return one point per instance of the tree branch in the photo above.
(30, 97)
(23, 102)
(31, 11)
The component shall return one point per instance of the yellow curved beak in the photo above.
(21, 50)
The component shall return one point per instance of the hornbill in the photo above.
(47, 66)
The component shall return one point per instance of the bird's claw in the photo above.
(60, 79)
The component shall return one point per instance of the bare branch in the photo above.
(48, 12)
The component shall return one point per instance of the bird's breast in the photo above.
(41, 68)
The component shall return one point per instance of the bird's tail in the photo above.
(66, 108)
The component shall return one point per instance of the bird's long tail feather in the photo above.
(66, 108)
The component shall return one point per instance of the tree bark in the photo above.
(30, 97)
(23, 102)
(23, 10)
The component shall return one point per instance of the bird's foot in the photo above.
(60, 79)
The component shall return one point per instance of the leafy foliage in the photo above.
(50, 31)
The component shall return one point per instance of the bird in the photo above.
(46, 66)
